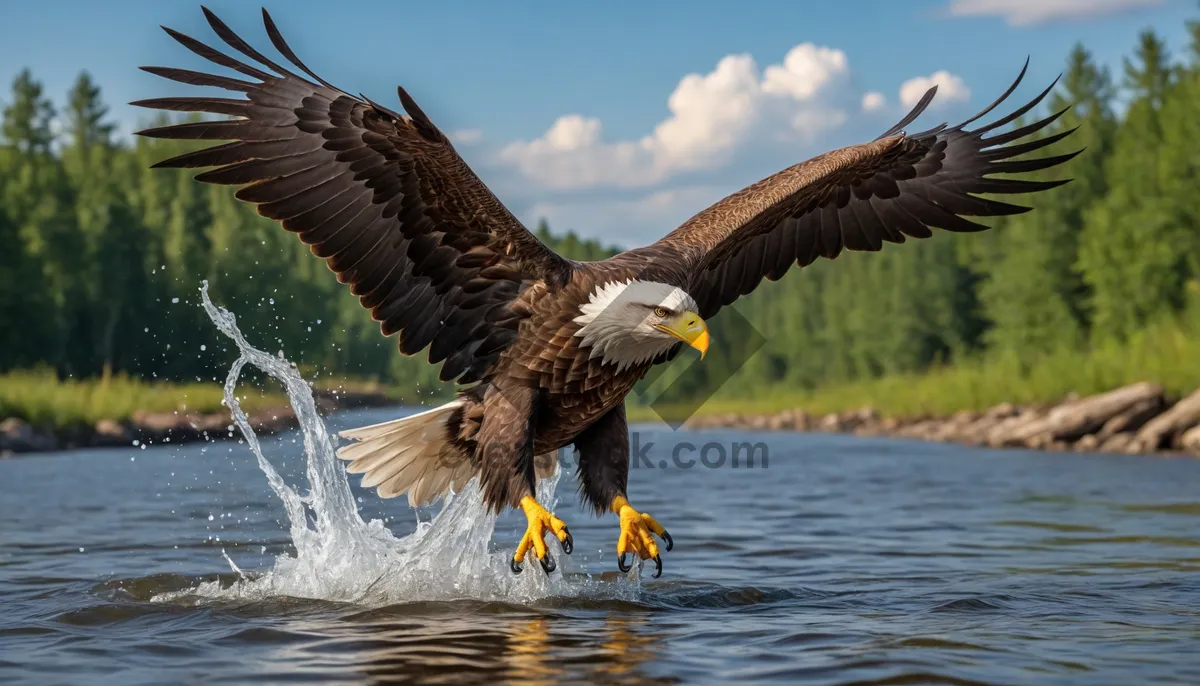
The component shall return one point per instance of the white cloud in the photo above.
(1027, 12)
(872, 101)
(951, 88)
(466, 136)
(805, 70)
(711, 116)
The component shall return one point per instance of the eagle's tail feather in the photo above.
(410, 455)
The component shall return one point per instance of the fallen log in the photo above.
(1133, 418)
(1007, 431)
(1165, 430)
(1074, 419)
(953, 429)
(1190, 440)
(1117, 443)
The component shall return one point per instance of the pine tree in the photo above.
(28, 116)
(1034, 293)
(1130, 254)
(37, 200)
(110, 241)
(19, 302)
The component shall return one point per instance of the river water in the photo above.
(841, 560)
(844, 560)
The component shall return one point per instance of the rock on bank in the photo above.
(1135, 419)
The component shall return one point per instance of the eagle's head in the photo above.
(631, 322)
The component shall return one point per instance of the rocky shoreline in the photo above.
(1135, 419)
(149, 428)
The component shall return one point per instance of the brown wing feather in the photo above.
(384, 198)
(858, 198)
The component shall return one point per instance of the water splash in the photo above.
(340, 557)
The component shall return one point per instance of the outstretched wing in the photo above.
(859, 197)
(384, 198)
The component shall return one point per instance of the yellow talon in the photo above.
(636, 530)
(540, 521)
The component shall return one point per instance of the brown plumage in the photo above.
(546, 349)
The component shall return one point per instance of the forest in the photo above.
(103, 258)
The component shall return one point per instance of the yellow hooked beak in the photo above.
(689, 328)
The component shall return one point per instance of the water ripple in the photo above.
(848, 561)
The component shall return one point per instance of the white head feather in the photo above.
(618, 320)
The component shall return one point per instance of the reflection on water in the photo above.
(513, 648)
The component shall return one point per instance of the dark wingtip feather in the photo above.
(197, 78)
(1016, 186)
(163, 164)
(1019, 111)
(236, 108)
(912, 114)
(237, 43)
(1022, 131)
(1003, 96)
(1031, 165)
(1010, 151)
(284, 49)
(210, 15)
(424, 124)
(226, 153)
(214, 55)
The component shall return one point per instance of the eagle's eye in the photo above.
(660, 312)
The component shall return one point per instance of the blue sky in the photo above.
(616, 119)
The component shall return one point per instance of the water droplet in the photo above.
(340, 553)
(174, 300)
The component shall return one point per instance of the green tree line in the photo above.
(102, 256)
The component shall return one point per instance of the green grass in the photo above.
(45, 401)
(1168, 354)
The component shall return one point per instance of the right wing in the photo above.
(896, 187)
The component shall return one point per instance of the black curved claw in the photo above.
(670, 541)
(514, 566)
(547, 563)
(568, 543)
(658, 565)
(621, 564)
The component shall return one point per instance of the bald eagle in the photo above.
(545, 349)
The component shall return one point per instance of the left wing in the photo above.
(384, 198)
(858, 197)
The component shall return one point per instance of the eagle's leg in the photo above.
(603, 475)
(508, 469)
(636, 530)
(541, 521)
